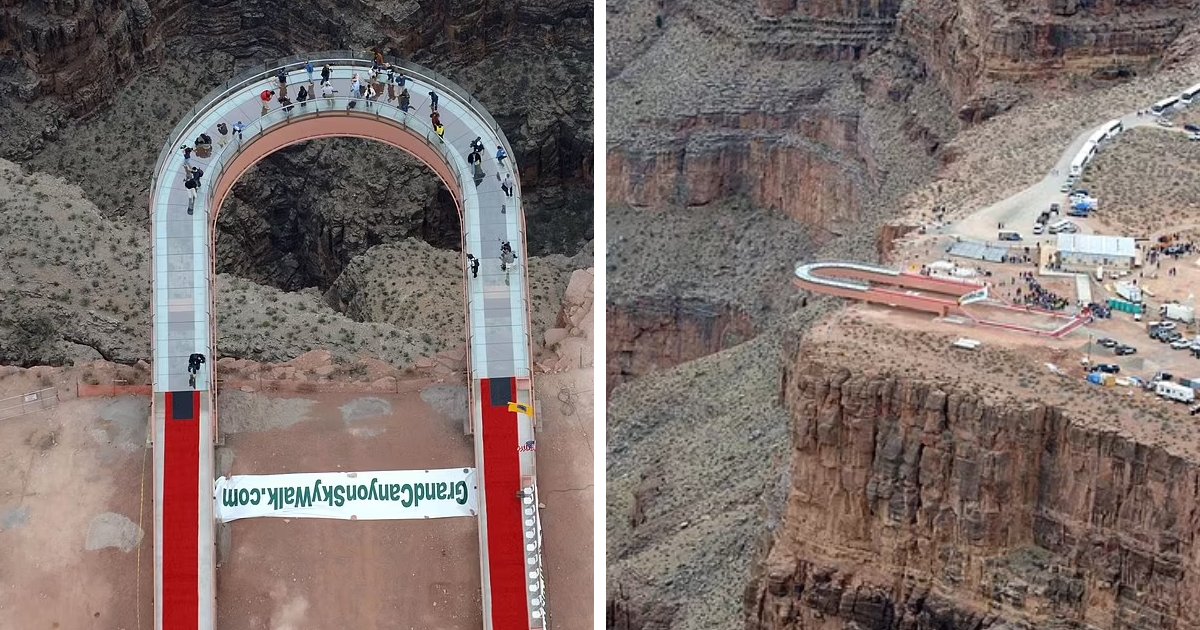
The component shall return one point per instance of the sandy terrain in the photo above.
(1146, 182)
(75, 516)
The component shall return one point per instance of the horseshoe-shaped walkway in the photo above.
(184, 315)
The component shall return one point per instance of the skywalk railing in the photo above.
(247, 80)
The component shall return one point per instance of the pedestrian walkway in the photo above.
(496, 302)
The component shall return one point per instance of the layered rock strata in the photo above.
(916, 505)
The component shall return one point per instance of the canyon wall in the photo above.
(77, 49)
(775, 173)
(915, 507)
(975, 48)
(986, 55)
(650, 333)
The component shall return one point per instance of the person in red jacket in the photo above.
(266, 97)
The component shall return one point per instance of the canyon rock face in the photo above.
(648, 334)
(73, 49)
(776, 173)
(915, 507)
(970, 46)
(806, 154)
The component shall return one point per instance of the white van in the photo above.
(1063, 226)
(1175, 391)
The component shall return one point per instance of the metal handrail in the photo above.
(267, 71)
(277, 117)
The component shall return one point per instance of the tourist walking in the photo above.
(192, 184)
(404, 100)
(433, 100)
(327, 91)
(507, 184)
(302, 96)
(308, 67)
(507, 257)
(326, 72)
(476, 163)
(222, 131)
(500, 155)
(474, 264)
(237, 128)
(281, 77)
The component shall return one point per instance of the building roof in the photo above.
(1096, 245)
(978, 251)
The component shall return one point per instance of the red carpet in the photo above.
(505, 534)
(181, 514)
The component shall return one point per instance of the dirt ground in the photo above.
(284, 574)
(71, 495)
(76, 521)
(565, 458)
(289, 574)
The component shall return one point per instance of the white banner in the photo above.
(380, 495)
(974, 296)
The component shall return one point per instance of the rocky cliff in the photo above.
(727, 98)
(661, 333)
(914, 504)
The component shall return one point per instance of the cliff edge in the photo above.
(932, 499)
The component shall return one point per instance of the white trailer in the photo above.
(1178, 312)
(1129, 291)
(1112, 128)
(1175, 391)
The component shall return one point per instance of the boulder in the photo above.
(325, 370)
(385, 384)
(555, 335)
(312, 360)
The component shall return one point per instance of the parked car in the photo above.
(1172, 336)
(1108, 343)
(1163, 122)
(1165, 326)
(1122, 351)
(1054, 208)
(1192, 128)
(1180, 344)
(1108, 368)
(1038, 228)
(1065, 188)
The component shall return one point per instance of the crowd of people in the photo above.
(1036, 296)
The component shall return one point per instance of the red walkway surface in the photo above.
(181, 517)
(505, 537)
